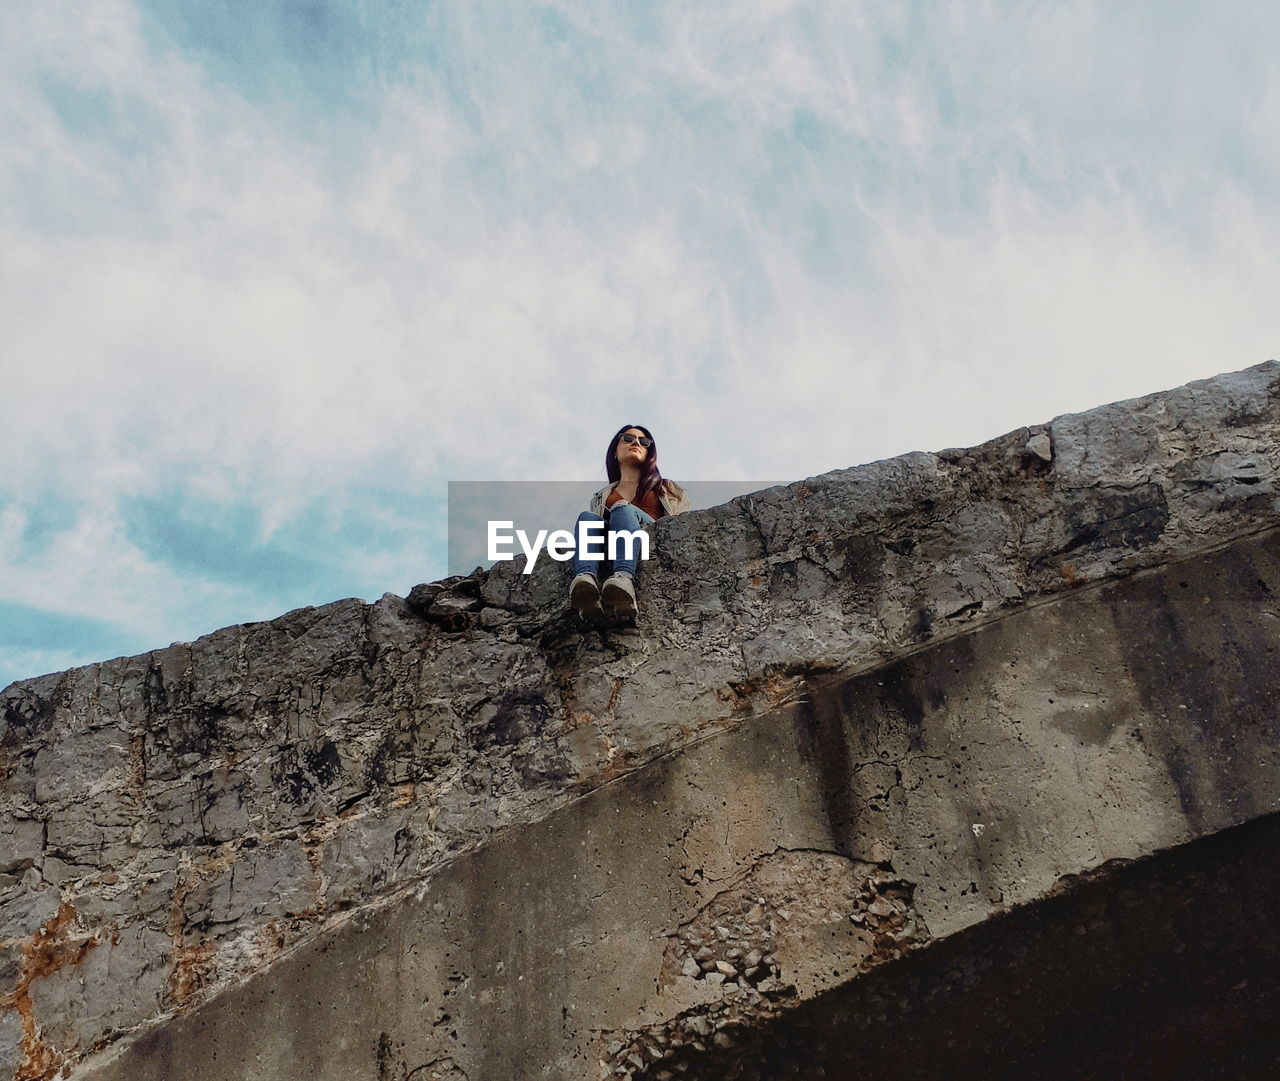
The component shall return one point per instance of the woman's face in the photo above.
(632, 453)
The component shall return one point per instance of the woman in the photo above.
(635, 496)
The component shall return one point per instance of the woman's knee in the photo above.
(628, 516)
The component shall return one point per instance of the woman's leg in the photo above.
(619, 592)
(629, 518)
(582, 562)
(584, 583)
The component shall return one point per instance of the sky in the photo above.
(274, 272)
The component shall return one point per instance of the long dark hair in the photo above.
(650, 479)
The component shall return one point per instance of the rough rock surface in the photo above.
(457, 836)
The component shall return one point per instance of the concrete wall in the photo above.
(833, 835)
(859, 713)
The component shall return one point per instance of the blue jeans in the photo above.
(623, 516)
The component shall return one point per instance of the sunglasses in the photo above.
(627, 437)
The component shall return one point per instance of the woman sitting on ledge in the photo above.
(635, 496)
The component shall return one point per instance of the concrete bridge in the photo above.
(958, 764)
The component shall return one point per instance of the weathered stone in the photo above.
(699, 1025)
(10, 1043)
(491, 618)
(420, 596)
(209, 813)
(27, 906)
(448, 604)
(264, 883)
(873, 651)
(119, 983)
(1041, 446)
(21, 846)
(10, 969)
(91, 762)
(372, 849)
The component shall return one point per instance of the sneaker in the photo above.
(619, 593)
(584, 595)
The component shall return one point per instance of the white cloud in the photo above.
(92, 569)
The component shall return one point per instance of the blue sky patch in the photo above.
(24, 627)
(217, 544)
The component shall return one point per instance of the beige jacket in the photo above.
(671, 498)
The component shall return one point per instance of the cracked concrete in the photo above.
(397, 838)
(1154, 968)
(559, 949)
